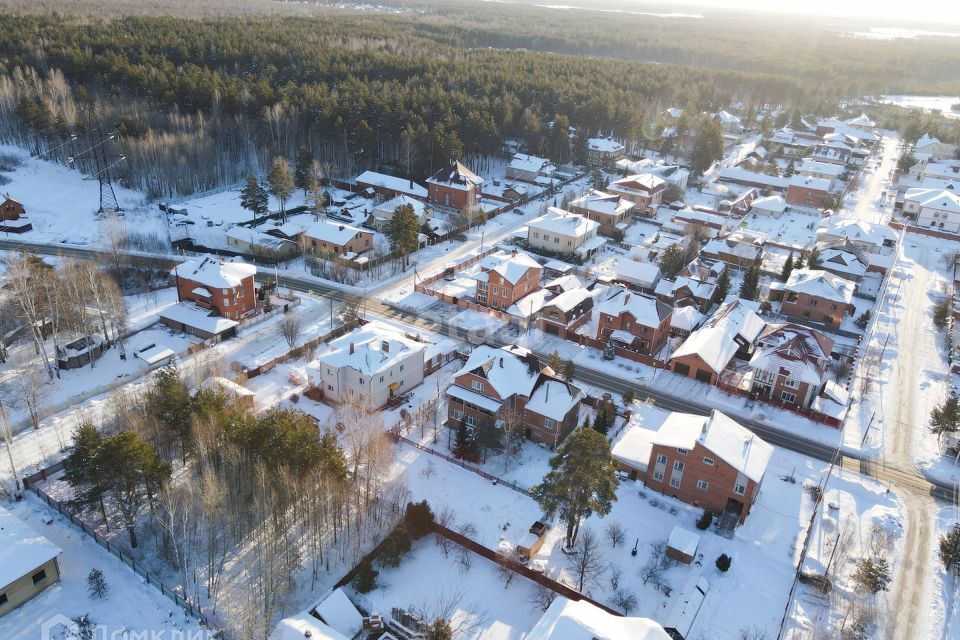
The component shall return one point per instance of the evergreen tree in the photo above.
(586, 422)
(96, 584)
(465, 443)
(945, 418)
(582, 480)
(872, 575)
(254, 198)
(707, 147)
(863, 319)
(419, 519)
(949, 550)
(787, 268)
(81, 470)
(941, 313)
(723, 563)
(723, 287)
(280, 183)
(813, 259)
(487, 437)
(555, 362)
(798, 263)
(303, 176)
(597, 180)
(560, 140)
(580, 146)
(168, 401)
(672, 261)
(750, 286)
(365, 579)
(569, 370)
(403, 231)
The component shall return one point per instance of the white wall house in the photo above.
(933, 209)
(564, 232)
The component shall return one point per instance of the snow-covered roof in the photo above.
(191, 315)
(337, 612)
(255, 237)
(944, 170)
(818, 184)
(645, 310)
(726, 439)
(940, 199)
(608, 145)
(856, 229)
(644, 183)
(511, 265)
(532, 164)
(391, 205)
(818, 283)
(926, 141)
(793, 351)
(568, 282)
(466, 395)
(554, 398)
(456, 176)
(698, 289)
(727, 118)
(203, 292)
(821, 168)
(212, 272)
(602, 202)
(861, 121)
(687, 605)
(505, 369)
(684, 541)
(568, 300)
(393, 183)
(332, 232)
(370, 349)
(736, 174)
(156, 353)
(686, 318)
(689, 214)
(842, 260)
(641, 273)
(564, 223)
(304, 625)
(774, 204)
(567, 619)
(732, 325)
(22, 549)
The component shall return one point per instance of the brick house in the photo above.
(711, 462)
(604, 152)
(28, 562)
(10, 209)
(529, 168)
(390, 186)
(227, 288)
(814, 295)
(328, 237)
(644, 190)
(610, 210)
(565, 311)
(731, 331)
(492, 380)
(641, 323)
(804, 191)
(505, 278)
(686, 292)
(553, 410)
(455, 187)
(790, 364)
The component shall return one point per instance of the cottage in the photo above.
(553, 410)
(847, 262)
(634, 321)
(563, 232)
(260, 245)
(790, 364)
(641, 276)
(804, 191)
(223, 287)
(685, 291)
(383, 212)
(303, 625)
(455, 187)
(825, 170)
(736, 250)
(567, 619)
(492, 380)
(731, 330)
(643, 190)
(814, 295)
(505, 278)
(390, 186)
(326, 237)
(772, 206)
(28, 562)
(612, 212)
(604, 152)
(563, 311)
(529, 168)
(10, 209)
(870, 238)
(933, 208)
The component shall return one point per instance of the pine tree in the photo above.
(254, 198)
(403, 231)
(600, 423)
(303, 176)
(671, 261)
(723, 286)
(597, 180)
(365, 579)
(582, 481)
(814, 260)
(586, 422)
(723, 563)
(280, 182)
(798, 263)
(555, 362)
(465, 444)
(749, 288)
(945, 418)
(569, 370)
(949, 549)
(872, 575)
(941, 314)
(787, 268)
(96, 584)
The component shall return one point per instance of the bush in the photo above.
(872, 575)
(949, 549)
(941, 314)
(396, 546)
(723, 563)
(365, 579)
(419, 519)
(863, 320)
(705, 520)
(96, 584)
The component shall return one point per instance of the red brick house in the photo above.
(731, 331)
(455, 187)
(610, 210)
(804, 191)
(643, 190)
(327, 237)
(10, 209)
(640, 323)
(226, 288)
(790, 364)
(814, 295)
(710, 462)
(505, 278)
(553, 410)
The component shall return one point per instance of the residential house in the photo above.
(376, 362)
(825, 170)
(672, 173)
(326, 237)
(808, 192)
(455, 187)
(870, 238)
(689, 218)
(931, 147)
(684, 321)
(553, 410)
(505, 278)
(223, 287)
(847, 262)
(814, 295)
(604, 152)
(861, 122)
(643, 190)
(772, 206)
(735, 250)
(641, 276)
(28, 562)
(390, 186)
(562, 232)
(529, 168)
(383, 212)
(732, 330)
(685, 291)
(567, 619)
(837, 153)
(933, 208)
(262, 246)
(790, 364)
(742, 177)
(189, 317)
(10, 209)
(564, 311)
(634, 321)
(612, 212)
(729, 123)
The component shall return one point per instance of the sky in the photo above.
(936, 11)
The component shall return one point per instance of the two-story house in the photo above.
(563, 232)
(225, 288)
(383, 213)
(610, 210)
(553, 410)
(492, 381)
(326, 237)
(814, 295)
(933, 209)
(505, 278)
(644, 190)
(636, 321)
(528, 168)
(455, 187)
(731, 331)
(803, 191)
(604, 152)
(790, 364)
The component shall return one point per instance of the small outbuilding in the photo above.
(531, 542)
(682, 545)
(28, 562)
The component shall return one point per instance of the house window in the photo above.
(496, 291)
(789, 398)
(457, 414)
(495, 304)
(329, 371)
(739, 489)
(682, 452)
(556, 239)
(476, 385)
(661, 459)
(471, 421)
(401, 367)
(329, 387)
(703, 485)
(361, 380)
(658, 475)
(549, 423)
(39, 576)
(381, 378)
(791, 383)
(676, 479)
(709, 461)
(536, 234)
(678, 465)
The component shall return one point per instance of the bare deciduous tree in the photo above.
(616, 534)
(586, 562)
(541, 597)
(289, 327)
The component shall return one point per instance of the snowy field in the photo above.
(793, 228)
(927, 103)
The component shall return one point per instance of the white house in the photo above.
(825, 170)
(383, 213)
(933, 208)
(772, 206)
(564, 232)
(529, 168)
(932, 148)
(870, 238)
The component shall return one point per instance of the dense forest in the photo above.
(198, 102)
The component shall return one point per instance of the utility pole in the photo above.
(8, 438)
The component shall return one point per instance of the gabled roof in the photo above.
(605, 144)
(511, 266)
(22, 549)
(391, 205)
(726, 439)
(298, 627)
(823, 168)
(255, 237)
(215, 273)
(769, 203)
(819, 284)
(686, 318)
(861, 121)
(602, 202)
(579, 620)
(941, 199)
(393, 183)
(734, 324)
(565, 223)
(646, 310)
(640, 182)
(643, 273)
(457, 176)
(554, 398)
(925, 141)
(332, 232)
(533, 164)
(370, 349)
(820, 184)
(856, 229)
(792, 350)
(843, 260)
(508, 369)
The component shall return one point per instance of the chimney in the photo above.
(501, 363)
(385, 346)
(341, 228)
(351, 348)
(626, 299)
(513, 253)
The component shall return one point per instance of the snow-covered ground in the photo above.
(927, 103)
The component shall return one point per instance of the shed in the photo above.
(682, 545)
(28, 562)
(684, 612)
(530, 543)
